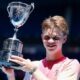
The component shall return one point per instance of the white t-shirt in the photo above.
(67, 69)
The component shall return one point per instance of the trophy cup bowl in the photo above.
(18, 14)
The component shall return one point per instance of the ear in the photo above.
(64, 39)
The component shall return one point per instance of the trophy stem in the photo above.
(12, 43)
(15, 33)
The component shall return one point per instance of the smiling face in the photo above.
(53, 40)
(54, 33)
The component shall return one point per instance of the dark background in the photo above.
(30, 32)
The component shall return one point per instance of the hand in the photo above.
(8, 71)
(26, 64)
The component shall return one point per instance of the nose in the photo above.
(50, 40)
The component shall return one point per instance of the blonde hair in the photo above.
(56, 22)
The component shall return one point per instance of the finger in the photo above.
(16, 58)
(17, 61)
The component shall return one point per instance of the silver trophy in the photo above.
(18, 14)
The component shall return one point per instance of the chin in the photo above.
(51, 50)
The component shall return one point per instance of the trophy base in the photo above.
(7, 64)
(4, 55)
(10, 65)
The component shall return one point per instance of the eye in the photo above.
(46, 37)
(56, 38)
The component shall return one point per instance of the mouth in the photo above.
(51, 46)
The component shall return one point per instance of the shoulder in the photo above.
(70, 70)
(72, 61)
(72, 64)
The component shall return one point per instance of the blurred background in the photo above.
(30, 32)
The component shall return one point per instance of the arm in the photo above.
(38, 75)
(28, 65)
(70, 71)
(9, 72)
(11, 77)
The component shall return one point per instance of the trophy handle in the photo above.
(8, 9)
(32, 8)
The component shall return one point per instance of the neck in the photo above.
(54, 56)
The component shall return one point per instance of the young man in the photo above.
(54, 66)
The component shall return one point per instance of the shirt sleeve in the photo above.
(27, 76)
(70, 71)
